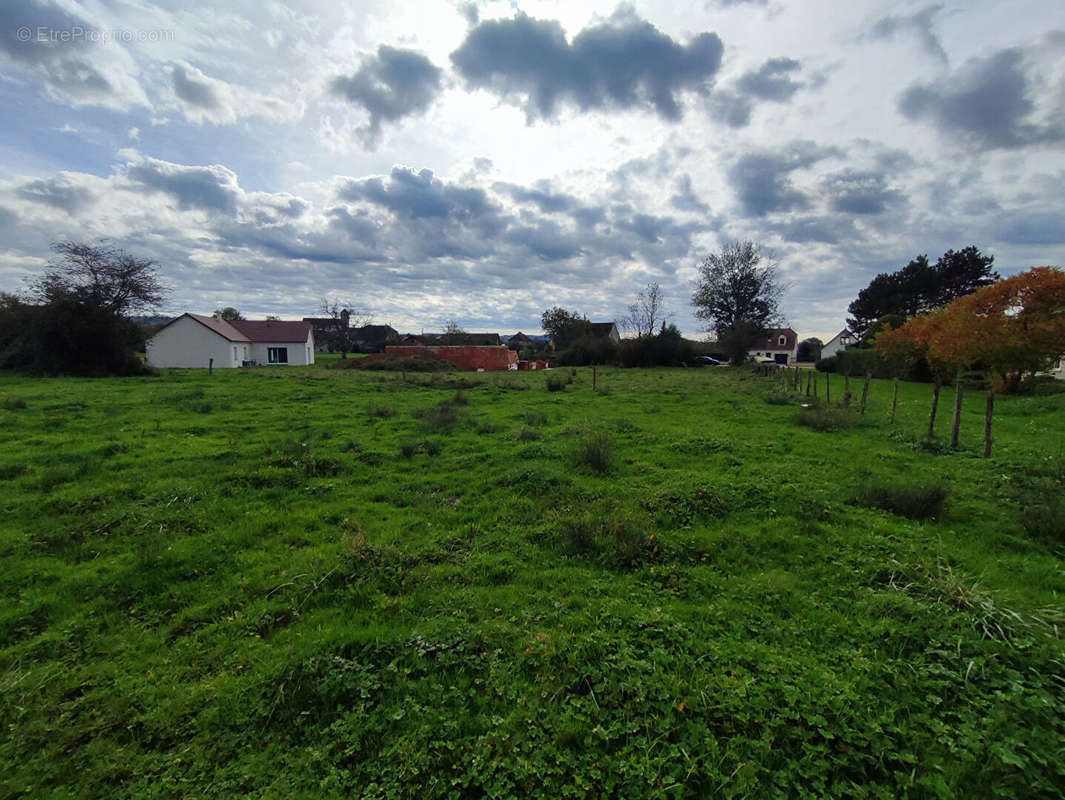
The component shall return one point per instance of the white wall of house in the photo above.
(295, 353)
(191, 344)
(771, 353)
(841, 341)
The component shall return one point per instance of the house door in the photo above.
(781, 358)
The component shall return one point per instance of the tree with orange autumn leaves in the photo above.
(1011, 328)
(1014, 327)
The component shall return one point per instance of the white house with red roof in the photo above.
(198, 341)
(779, 344)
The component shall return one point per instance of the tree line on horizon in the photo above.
(76, 316)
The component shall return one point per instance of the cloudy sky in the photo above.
(483, 161)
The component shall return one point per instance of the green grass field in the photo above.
(310, 582)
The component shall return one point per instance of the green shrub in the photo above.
(596, 452)
(822, 418)
(441, 417)
(911, 500)
(9, 472)
(192, 400)
(1040, 495)
(621, 540)
(825, 364)
(534, 418)
(579, 537)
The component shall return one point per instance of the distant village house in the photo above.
(779, 344)
(198, 341)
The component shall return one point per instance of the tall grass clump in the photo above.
(13, 403)
(439, 418)
(617, 539)
(916, 501)
(556, 384)
(1040, 496)
(380, 411)
(827, 418)
(595, 452)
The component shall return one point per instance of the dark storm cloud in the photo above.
(1032, 228)
(685, 198)
(193, 91)
(762, 182)
(589, 216)
(210, 188)
(772, 82)
(542, 197)
(548, 240)
(420, 195)
(78, 69)
(57, 192)
(988, 102)
(357, 225)
(805, 229)
(470, 12)
(919, 24)
(624, 63)
(292, 244)
(731, 108)
(390, 85)
(859, 192)
(275, 209)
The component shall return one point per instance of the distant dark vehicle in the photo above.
(707, 361)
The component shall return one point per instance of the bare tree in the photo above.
(647, 313)
(343, 324)
(99, 277)
(454, 334)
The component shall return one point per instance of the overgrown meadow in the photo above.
(312, 582)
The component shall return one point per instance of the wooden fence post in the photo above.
(987, 421)
(828, 389)
(894, 398)
(865, 390)
(210, 366)
(809, 378)
(956, 423)
(935, 402)
(846, 390)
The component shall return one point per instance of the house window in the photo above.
(277, 355)
(234, 352)
(783, 340)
